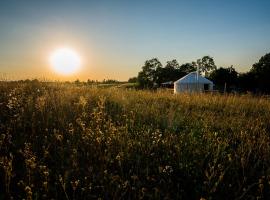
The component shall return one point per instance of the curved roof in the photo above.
(192, 78)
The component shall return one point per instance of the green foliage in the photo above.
(109, 81)
(150, 73)
(170, 72)
(153, 73)
(206, 65)
(261, 72)
(246, 81)
(224, 76)
(133, 80)
(187, 68)
(64, 141)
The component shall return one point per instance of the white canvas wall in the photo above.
(192, 82)
(191, 87)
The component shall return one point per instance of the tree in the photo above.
(173, 64)
(224, 76)
(206, 64)
(173, 71)
(153, 73)
(90, 82)
(246, 81)
(150, 73)
(133, 80)
(261, 73)
(169, 72)
(187, 68)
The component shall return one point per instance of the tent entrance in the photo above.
(206, 87)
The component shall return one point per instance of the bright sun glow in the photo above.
(65, 61)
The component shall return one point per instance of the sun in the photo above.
(65, 61)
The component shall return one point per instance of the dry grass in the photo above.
(76, 142)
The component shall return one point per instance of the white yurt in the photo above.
(193, 82)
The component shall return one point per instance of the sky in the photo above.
(115, 38)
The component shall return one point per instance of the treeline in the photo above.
(256, 80)
(104, 81)
(78, 82)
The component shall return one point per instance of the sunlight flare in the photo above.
(65, 61)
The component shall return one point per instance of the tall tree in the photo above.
(173, 64)
(133, 80)
(261, 72)
(170, 71)
(246, 82)
(150, 73)
(187, 68)
(224, 76)
(206, 64)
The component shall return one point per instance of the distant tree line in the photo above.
(256, 80)
(153, 73)
(104, 81)
(77, 81)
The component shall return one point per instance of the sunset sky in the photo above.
(115, 37)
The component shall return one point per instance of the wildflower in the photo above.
(45, 184)
(74, 151)
(20, 183)
(168, 169)
(46, 153)
(75, 184)
(230, 157)
(144, 190)
(28, 192)
(125, 184)
(31, 162)
(27, 189)
(59, 137)
(118, 158)
(60, 179)
(46, 173)
(82, 101)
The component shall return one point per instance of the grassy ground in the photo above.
(75, 142)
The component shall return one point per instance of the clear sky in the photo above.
(115, 37)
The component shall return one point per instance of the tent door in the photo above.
(206, 86)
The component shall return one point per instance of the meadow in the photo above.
(60, 141)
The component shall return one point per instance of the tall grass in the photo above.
(75, 142)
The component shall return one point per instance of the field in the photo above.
(61, 141)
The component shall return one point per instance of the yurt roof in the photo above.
(192, 78)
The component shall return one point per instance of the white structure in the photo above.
(193, 82)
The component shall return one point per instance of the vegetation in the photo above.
(225, 75)
(68, 141)
(261, 72)
(153, 74)
(133, 80)
(256, 80)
